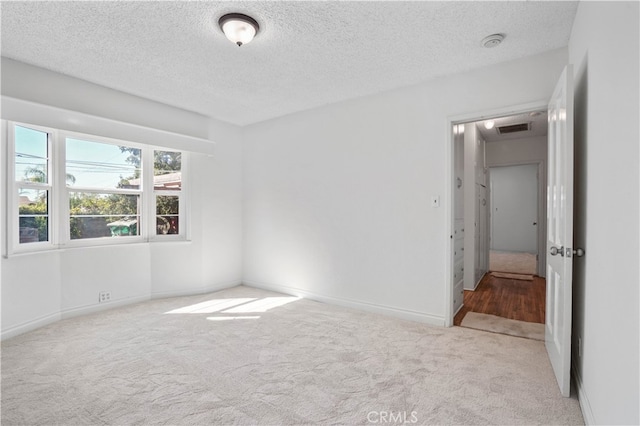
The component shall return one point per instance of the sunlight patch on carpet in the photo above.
(230, 318)
(211, 306)
(262, 305)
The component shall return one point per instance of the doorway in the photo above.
(514, 219)
(499, 168)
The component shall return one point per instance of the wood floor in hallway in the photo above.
(514, 299)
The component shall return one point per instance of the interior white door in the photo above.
(514, 208)
(560, 229)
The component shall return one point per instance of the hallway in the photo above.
(520, 300)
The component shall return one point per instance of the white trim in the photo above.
(4, 191)
(58, 202)
(13, 204)
(497, 112)
(353, 304)
(14, 109)
(448, 228)
(460, 308)
(451, 121)
(195, 291)
(147, 204)
(40, 322)
(183, 194)
(25, 327)
(585, 406)
(98, 307)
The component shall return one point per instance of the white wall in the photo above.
(517, 151)
(39, 288)
(337, 199)
(604, 48)
(35, 84)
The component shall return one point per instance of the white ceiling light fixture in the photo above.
(489, 124)
(238, 28)
(493, 40)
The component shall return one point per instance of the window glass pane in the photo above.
(100, 165)
(33, 215)
(167, 214)
(103, 215)
(167, 173)
(31, 155)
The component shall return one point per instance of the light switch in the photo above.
(435, 201)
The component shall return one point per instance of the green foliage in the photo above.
(90, 213)
(134, 155)
(35, 174)
(168, 161)
(167, 205)
(162, 160)
(99, 208)
(41, 223)
(167, 214)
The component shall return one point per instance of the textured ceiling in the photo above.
(307, 53)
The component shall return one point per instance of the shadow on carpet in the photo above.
(495, 324)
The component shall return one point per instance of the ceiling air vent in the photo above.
(513, 128)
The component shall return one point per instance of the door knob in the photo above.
(578, 252)
(555, 251)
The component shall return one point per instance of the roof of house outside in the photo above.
(171, 180)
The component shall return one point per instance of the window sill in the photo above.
(74, 247)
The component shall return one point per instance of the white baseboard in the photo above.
(29, 326)
(585, 406)
(458, 310)
(354, 304)
(195, 291)
(90, 309)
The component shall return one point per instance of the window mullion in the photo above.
(148, 213)
(8, 187)
(59, 215)
(185, 207)
(105, 190)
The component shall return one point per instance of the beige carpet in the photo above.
(515, 263)
(246, 356)
(496, 324)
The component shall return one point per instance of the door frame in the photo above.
(541, 233)
(449, 167)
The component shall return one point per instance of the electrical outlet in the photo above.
(104, 296)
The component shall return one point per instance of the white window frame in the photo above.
(58, 202)
(65, 224)
(181, 194)
(13, 198)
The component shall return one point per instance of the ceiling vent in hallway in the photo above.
(513, 128)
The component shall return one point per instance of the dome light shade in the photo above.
(238, 28)
(493, 40)
(489, 124)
